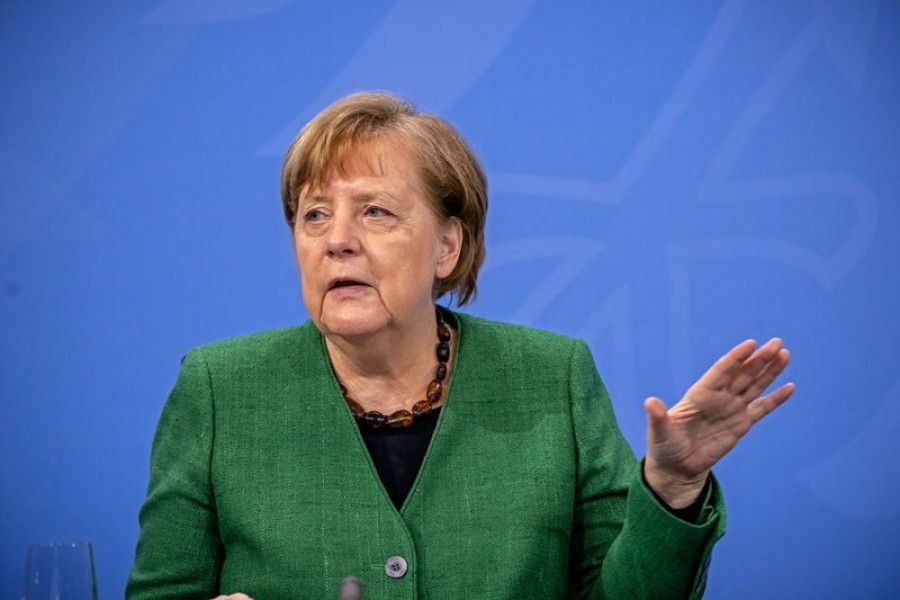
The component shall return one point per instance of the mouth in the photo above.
(344, 282)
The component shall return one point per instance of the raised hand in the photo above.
(684, 442)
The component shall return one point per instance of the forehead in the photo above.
(379, 157)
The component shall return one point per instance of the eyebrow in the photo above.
(362, 196)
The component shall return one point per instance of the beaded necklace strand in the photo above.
(405, 418)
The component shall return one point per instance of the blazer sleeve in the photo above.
(625, 544)
(178, 552)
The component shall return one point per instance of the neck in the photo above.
(389, 370)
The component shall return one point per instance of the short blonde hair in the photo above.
(450, 173)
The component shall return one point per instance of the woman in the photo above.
(428, 453)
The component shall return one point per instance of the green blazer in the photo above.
(260, 482)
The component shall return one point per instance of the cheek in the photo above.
(312, 297)
(306, 266)
(304, 255)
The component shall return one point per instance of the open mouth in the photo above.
(346, 283)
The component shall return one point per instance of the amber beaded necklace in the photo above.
(405, 418)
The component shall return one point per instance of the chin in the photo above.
(351, 323)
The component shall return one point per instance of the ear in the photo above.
(449, 247)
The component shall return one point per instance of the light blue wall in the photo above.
(668, 178)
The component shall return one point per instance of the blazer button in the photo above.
(395, 567)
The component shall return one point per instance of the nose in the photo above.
(343, 237)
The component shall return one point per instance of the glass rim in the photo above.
(60, 544)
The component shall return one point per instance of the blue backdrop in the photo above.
(667, 180)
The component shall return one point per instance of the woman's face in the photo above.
(369, 246)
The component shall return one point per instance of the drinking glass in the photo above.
(60, 571)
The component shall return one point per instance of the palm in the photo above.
(688, 439)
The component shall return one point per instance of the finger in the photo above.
(760, 407)
(755, 365)
(723, 371)
(768, 375)
(657, 420)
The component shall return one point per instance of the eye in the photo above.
(314, 216)
(375, 211)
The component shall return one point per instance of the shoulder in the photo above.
(498, 332)
(518, 343)
(263, 349)
(540, 371)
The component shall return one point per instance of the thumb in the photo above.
(657, 420)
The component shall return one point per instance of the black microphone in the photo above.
(351, 589)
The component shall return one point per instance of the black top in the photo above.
(398, 453)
